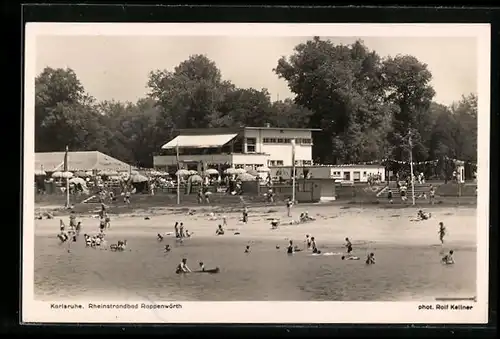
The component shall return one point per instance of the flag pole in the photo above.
(67, 179)
(411, 169)
(293, 170)
(178, 174)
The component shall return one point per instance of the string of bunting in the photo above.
(427, 162)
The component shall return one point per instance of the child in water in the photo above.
(370, 259)
(247, 249)
(448, 259)
(441, 232)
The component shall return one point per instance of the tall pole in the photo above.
(67, 179)
(178, 175)
(411, 169)
(293, 170)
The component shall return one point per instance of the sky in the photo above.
(117, 67)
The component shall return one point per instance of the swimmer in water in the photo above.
(247, 249)
(370, 259)
(290, 248)
(448, 259)
(348, 245)
(441, 232)
(167, 248)
(349, 257)
(202, 267)
(159, 237)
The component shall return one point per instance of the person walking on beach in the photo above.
(432, 193)
(308, 242)
(441, 232)
(181, 231)
(389, 196)
(176, 228)
(289, 204)
(245, 215)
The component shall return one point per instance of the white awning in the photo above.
(199, 141)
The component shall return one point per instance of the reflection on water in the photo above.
(146, 272)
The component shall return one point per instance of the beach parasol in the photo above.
(195, 178)
(263, 169)
(138, 178)
(230, 171)
(58, 174)
(246, 177)
(40, 172)
(253, 172)
(77, 181)
(240, 171)
(81, 174)
(182, 172)
(211, 171)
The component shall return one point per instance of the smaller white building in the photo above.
(340, 173)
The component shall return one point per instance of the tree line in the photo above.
(367, 107)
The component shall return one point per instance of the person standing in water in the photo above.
(181, 231)
(348, 246)
(290, 249)
(370, 259)
(314, 247)
(448, 259)
(182, 267)
(176, 229)
(308, 242)
(441, 232)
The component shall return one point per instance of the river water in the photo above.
(145, 272)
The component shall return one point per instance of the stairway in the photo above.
(420, 190)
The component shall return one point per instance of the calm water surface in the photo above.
(146, 272)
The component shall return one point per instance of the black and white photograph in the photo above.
(256, 173)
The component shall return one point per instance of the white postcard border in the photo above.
(260, 312)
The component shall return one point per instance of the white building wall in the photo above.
(281, 153)
(167, 160)
(247, 160)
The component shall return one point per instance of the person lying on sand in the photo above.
(448, 259)
(349, 257)
(422, 215)
(219, 230)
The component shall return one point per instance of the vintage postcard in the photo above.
(256, 173)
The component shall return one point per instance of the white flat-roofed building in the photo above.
(245, 147)
(340, 173)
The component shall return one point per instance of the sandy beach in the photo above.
(332, 224)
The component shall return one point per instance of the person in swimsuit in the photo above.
(432, 193)
(102, 224)
(389, 196)
(176, 228)
(370, 259)
(289, 204)
(314, 247)
(290, 249)
(72, 219)
(308, 242)
(202, 267)
(78, 228)
(181, 231)
(441, 232)
(167, 248)
(348, 245)
(448, 259)
(219, 231)
(62, 226)
(182, 267)
(349, 257)
(224, 221)
(247, 249)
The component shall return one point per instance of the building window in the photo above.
(306, 162)
(364, 174)
(336, 174)
(288, 141)
(281, 140)
(251, 145)
(279, 162)
(298, 162)
(306, 141)
(266, 140)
